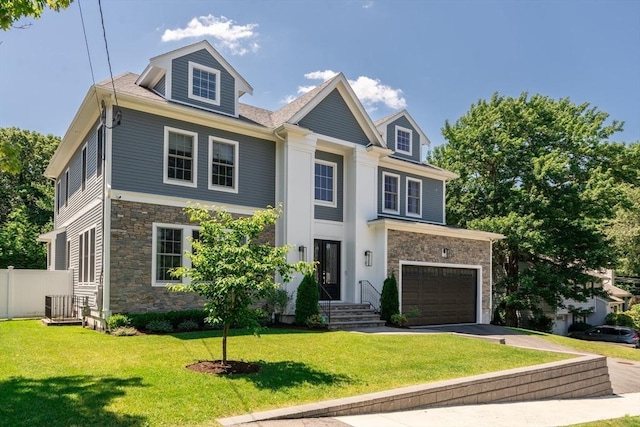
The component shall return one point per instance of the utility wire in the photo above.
(106, 46)
(86, 43)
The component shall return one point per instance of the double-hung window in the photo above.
(66, 187)
(414, 197)
(223, 164)
(404, 138)
(391, 193)
(84, 168)
(204, 84)
(180, 157)
(87, 257)
(58, 195)
(325, 183)
(169, 245)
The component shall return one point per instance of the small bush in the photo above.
(277, 300)
(159, 326)
(399, 320)
(140, 320)
(579, 327)
(610, 319)
(306, 299)
(118, 321)
(315, 321)
(389, 300)
(188, 325)
(542, 323)
(123, 331)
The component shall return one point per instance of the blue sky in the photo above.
(434, 58)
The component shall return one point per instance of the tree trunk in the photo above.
(225, 332)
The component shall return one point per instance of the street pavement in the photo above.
(624, 376)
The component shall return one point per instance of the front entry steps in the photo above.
(349, 316)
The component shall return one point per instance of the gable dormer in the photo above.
(403, 136)
(198, 76)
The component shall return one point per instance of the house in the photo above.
(357, 197)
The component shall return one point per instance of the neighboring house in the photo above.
(357, 197)
(616, 300)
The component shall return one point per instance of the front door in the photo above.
(327, 254)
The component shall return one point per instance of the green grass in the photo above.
(604, 349)
(72, 376)
(616, 422)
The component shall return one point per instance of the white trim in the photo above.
(200, 67)
(67, 254)
(155, 199)
(406, 130)
(333, 203)
(477, 267)
(187, 233)
(236, 165)
(382, 189)
(433, 229)
(99, 161)
(390, 119)
(95, 258)
(194, 171)
(411, 214)
(84, 164)
(67, 177)
(58, 191)
(422, 169)
(86, 208)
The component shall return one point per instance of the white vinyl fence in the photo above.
(22, 292)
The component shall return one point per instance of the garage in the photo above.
(439, 295)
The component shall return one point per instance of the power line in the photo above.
(86, 42)
(106, 46)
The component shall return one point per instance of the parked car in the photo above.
(619, 334)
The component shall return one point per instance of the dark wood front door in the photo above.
(327, 254)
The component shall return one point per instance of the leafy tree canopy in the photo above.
(13, 10)
(540, 172)
(233, 267)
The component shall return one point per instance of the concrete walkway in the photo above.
(624, 376)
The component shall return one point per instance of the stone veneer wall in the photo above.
(131, 258)
(406, 246)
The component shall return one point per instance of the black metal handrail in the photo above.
(59, 307)
(369, 295)
(325, 304)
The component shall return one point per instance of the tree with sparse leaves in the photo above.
(13, 10)
(232, 267)
(541, 172)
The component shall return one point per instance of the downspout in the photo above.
(106, 213)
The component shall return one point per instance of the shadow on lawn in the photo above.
(278, 375)
(211, 333)
(65, 401)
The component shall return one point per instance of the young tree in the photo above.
(306, 299)
(538, 171)
(389, 299)
(231, 267)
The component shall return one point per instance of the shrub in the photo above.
(277, 300)
(140, 320)
(159, 326)
(315, 321)
(188, 325)
(261, 316)
(398, 319)
(542, 323)
(123, 331)
(306, 299)
(389, 300)
(118, 321)
(611, 319)
(579, 327)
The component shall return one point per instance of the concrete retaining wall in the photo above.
(584, 376)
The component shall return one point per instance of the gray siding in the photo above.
(61, 252)
(332, 117)
(391, 139)
(138, 162)
(160, 86)
(432, 197)
(328, 212)
(78, 198)
(180, 82)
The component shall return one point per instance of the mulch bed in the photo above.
(232, 367)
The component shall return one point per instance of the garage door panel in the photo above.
(441, 295)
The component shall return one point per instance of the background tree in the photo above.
(538, 171)
(232, 268)
(12, 10)
(27, 198)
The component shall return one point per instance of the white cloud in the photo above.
(238, 39)
(371, 92)
(367, 4)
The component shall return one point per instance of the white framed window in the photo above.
(66, 187)
(99, 151)
(180, 157)
(67, 255)
(58, 195)
(84, 167)
(204, 83)
(390, 193)
(87, 257)
(414, 197)
(325, 183)
(170, 242)
(404, 140)
(223, 164)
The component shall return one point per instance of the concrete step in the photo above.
(356, 324)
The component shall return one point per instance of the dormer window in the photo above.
(404, 138)
(204, 83)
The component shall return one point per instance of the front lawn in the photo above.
(61, 376)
